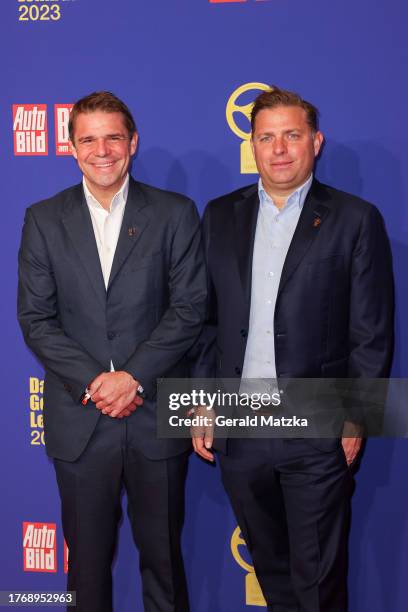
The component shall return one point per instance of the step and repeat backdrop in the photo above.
(189, 70)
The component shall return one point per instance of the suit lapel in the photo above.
(246, 214)
(78, 223)
(135, 221)
(311, 218)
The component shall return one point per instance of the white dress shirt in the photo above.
(106, 225)
(274, 232)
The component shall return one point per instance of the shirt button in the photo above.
(269, 301)
(270, 274)
(268, 331)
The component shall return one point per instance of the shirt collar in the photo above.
(118, 199)
(297, 198)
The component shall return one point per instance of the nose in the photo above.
(101, 147)
(279, 145)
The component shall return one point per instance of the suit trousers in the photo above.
(90, 490)
(291, 500)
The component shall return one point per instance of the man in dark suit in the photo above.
(112, 295)
(301, 287)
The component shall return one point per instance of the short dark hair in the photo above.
(283, 97)
(104, 101)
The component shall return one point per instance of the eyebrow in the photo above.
(105, 136)
(267, 133)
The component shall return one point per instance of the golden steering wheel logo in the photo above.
(248, 165)
(253, 593)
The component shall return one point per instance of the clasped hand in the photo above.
(115, 394)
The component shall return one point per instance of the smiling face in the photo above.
(285, 148)
(103, 149)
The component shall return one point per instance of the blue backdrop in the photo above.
(176, 63)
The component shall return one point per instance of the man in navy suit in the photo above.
(112, 295)
(301, 286)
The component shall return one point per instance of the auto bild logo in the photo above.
(61, 117)
(30, 129)
(40, 547)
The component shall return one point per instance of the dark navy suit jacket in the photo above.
(146, 320)
(334, 310)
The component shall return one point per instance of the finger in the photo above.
(104, 406)
(138, 400)
(208, 438)
(99, 396)
(114, 413)
(117, 408)
(109, 408)
(200, 449)
(96, 384)
(127, 411)
(350, 456)
(124, 413)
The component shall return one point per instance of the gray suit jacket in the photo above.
(146, 320)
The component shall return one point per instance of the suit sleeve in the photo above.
(371, 332)
(37, 307)
(371, 301)
(182, 321)
(202, 355)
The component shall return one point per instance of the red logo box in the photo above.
(61, 118)
(40, 547)
(30, 129)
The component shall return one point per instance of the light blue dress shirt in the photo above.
(274, 232)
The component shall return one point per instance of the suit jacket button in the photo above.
(111, 335)
(237, 370)
(244, 333)
(67, 388)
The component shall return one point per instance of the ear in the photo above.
(318, 139)
(133, 143)
(73, 149)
